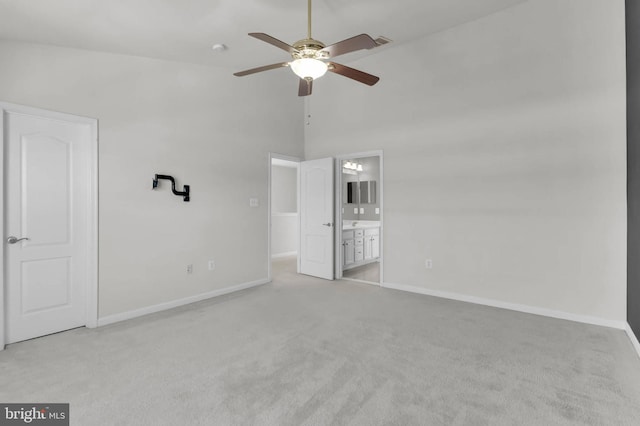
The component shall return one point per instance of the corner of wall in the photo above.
(633, 338)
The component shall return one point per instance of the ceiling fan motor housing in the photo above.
(309, 48)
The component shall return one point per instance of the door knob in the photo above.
(13, 240)
(327, 224)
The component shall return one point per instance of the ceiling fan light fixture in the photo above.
(309, 68)
(309, 55)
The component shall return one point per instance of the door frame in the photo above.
(338, 228)
(91, 300)
(275, 156)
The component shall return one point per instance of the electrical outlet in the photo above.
(253, 202)
(212, 265)
(190, 269)
(428, 264)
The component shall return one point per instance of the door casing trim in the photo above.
(91, 311)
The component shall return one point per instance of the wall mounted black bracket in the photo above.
(184, 193)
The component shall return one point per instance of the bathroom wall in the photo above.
(370, 172)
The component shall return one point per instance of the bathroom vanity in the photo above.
(360, 243)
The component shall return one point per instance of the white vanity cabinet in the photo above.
(349, 253)
(371, 243)
(352, 246)
(375, 246)
(360, 246)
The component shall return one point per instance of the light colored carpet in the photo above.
(302, 351)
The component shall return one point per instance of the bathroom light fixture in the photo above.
(350, 165)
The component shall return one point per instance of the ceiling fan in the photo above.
(310, 58)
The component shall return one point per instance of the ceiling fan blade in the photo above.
(260, 69)
(354, 74)
(305, 87)
(273, 41)
(359, 42)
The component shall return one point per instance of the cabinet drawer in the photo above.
(359, 233)
(359, 241)
(372, 231)
(347, 235)
(359, 254)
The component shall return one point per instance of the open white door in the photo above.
(316, 218)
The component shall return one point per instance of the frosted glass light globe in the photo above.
(309, 68)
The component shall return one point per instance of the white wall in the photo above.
(165, 117)
(284, 206)
(284, 234)
(504, 148)
(284, 194)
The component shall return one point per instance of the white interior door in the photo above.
(316, 218)
(47, 196)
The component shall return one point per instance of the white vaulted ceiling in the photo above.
(185, 30)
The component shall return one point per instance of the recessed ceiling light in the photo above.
(219, 47)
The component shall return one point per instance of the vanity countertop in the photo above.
(349, 225)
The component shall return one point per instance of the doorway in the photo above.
(284, 215)
(314, 216)
(359, 213)
(49, 212)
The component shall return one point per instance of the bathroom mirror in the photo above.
(364, 192)
(352, 193)
(368, 192)
(360, 192)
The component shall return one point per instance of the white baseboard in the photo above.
(620, 325)
(633, 338)
(287, 254)
(175, 303)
